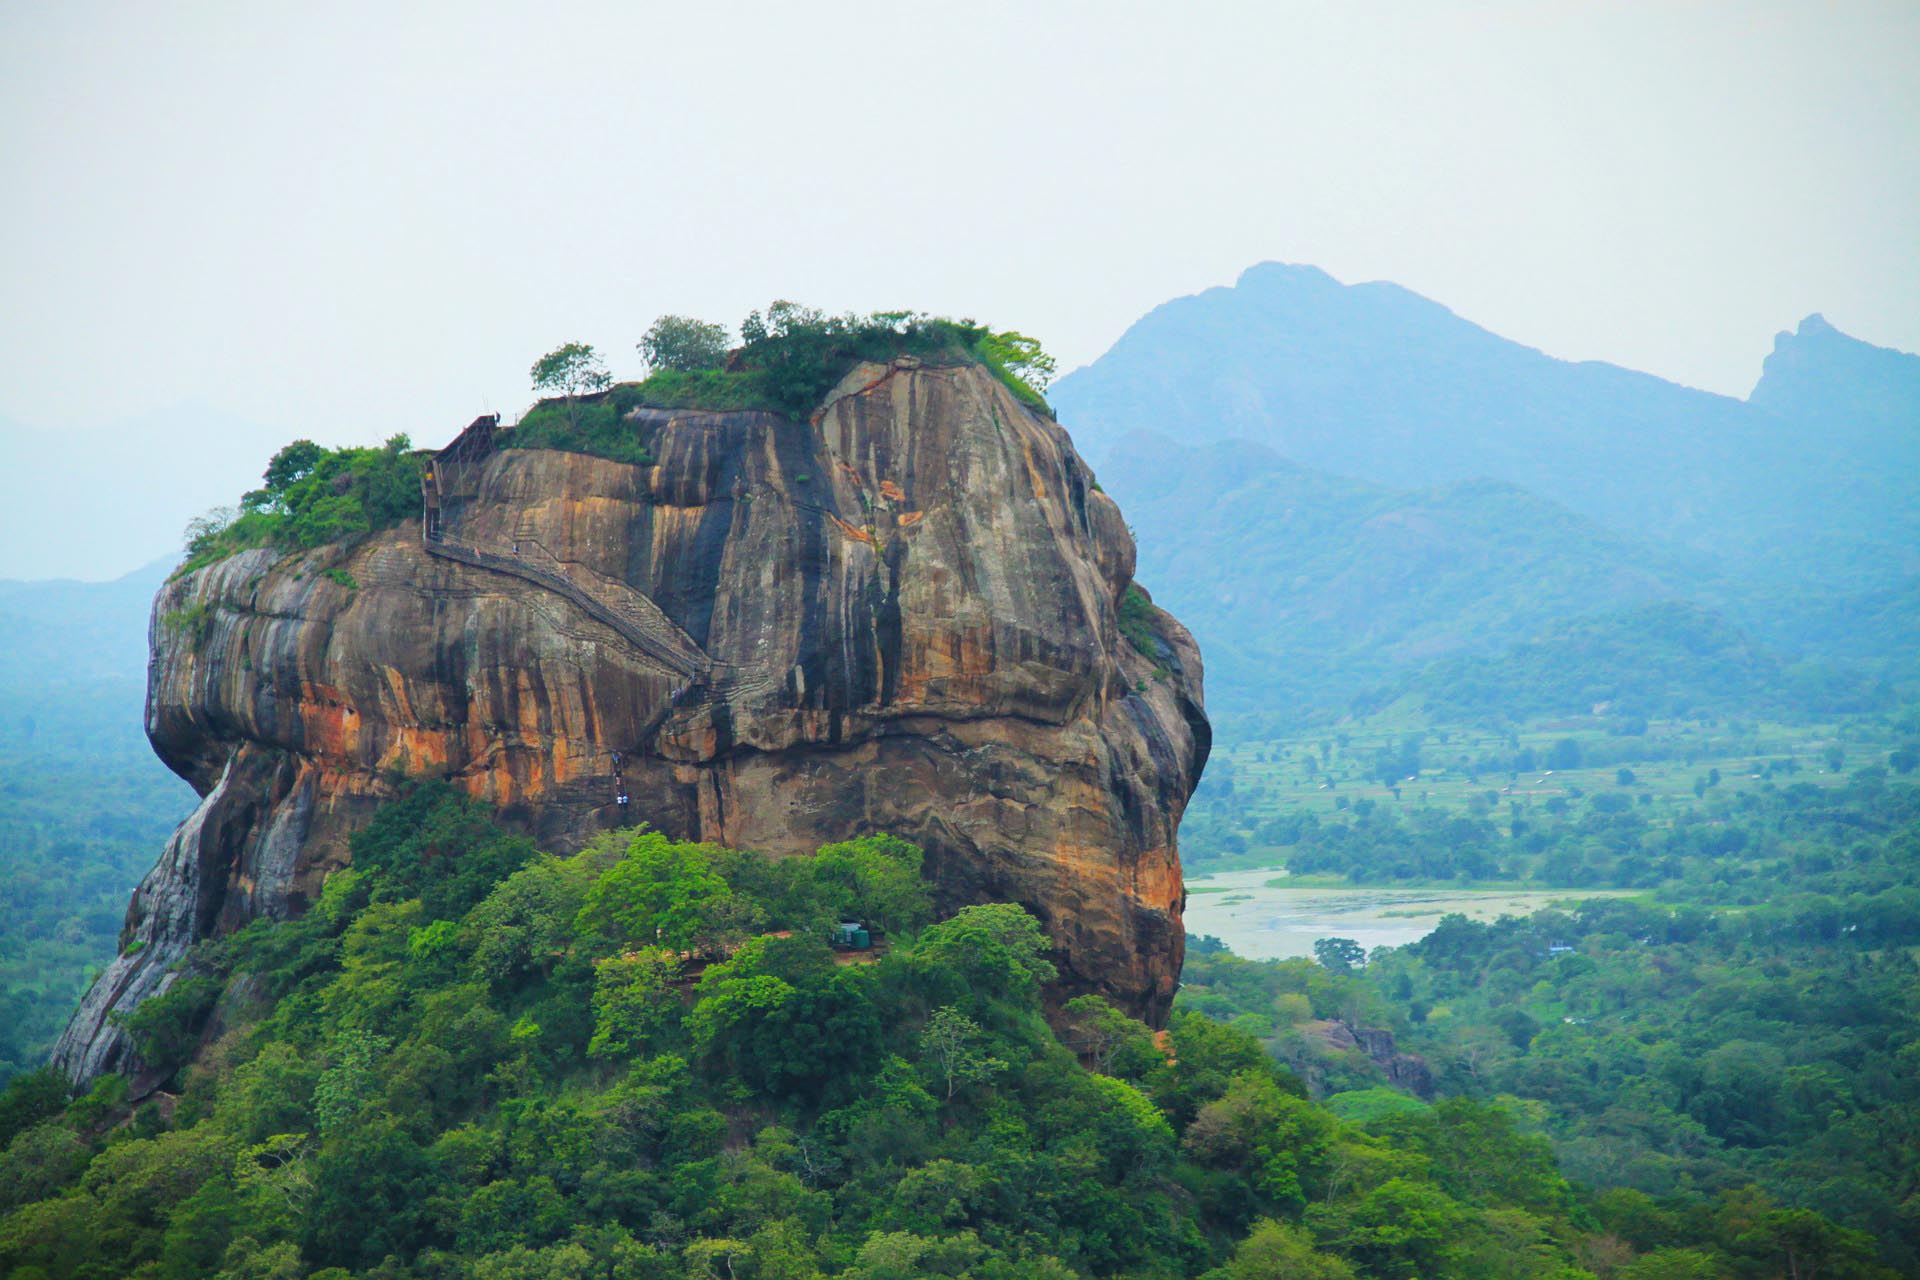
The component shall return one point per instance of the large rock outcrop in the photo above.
(899, 616)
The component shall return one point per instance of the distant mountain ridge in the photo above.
(61, 630)
(1312, 588)
(1817, 372)
(1378, 383)
(83, 800)
(1671, 658)
(1336, 485)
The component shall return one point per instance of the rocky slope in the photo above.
(898, 616)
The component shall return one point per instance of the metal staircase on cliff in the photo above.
(615, 604)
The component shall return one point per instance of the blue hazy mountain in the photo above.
(1306, 588)
(85, 805)
(1380, 384)
(93, 501)
(1865, 397)
(1336, 485)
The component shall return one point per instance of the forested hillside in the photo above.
(1745, 1041)
(84, 805)
(645, 1061)
(1668, 660)
(1308, 589)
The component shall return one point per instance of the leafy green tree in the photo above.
(1342, 955)
(1280, 1143)
(782, 1017)
(437, 844)
(876, 880)
(348, 1085)
(374, 1195)
(275, 1181)
(1805, 1245)
(1400, 1230)
(1123, 1125)
(370, 993)
(293, 463)
(983, 954)
(1480, 1154)
(314, 496)
(523, 929)
(1021, 356)
(1110, 1041)
(434, 952)
(666, 893)
(684, 344)
(634, 1000)
(1677, 1264)
(1207, 1057)
(955, 1048)
(571, 369)
(1279, 1251)
(166, 1028)
(713, 1258)
(902, 1255)
(795, 351)
(510, 1212)
(39, 1162)
(116, 1220)
(270, 1094)
(29, 1098)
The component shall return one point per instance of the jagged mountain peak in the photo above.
(1377, 383)
(1823, 372)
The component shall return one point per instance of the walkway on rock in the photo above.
(618, 605)
(628, 612)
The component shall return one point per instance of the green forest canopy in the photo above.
(789, 357)
(312, 495)
(643, 1060)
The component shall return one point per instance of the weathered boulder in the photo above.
(1408, 1072)
(898, 616)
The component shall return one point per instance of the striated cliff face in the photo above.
(899, 616)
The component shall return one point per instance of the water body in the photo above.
(1263, 920)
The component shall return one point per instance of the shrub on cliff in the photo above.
(684, 345)
(572, 369)
(313, 496)
(590, 424)
(437, 844)
(800, 352)
(789, 358)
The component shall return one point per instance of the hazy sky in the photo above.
(226, 226)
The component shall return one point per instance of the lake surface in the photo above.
(1263, 921)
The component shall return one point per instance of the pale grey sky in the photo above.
(230, 225)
